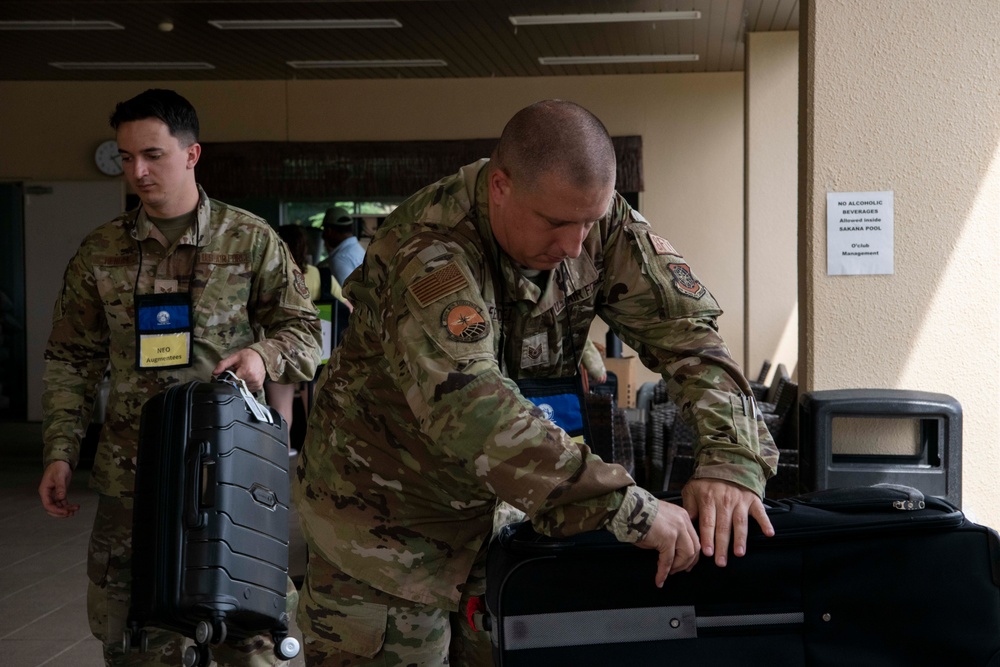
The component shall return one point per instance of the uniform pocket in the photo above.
(353, 626)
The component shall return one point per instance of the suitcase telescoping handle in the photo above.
(260, 412)
(200, 490)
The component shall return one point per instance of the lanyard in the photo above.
(164, 323)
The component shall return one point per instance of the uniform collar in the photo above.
(199, 234)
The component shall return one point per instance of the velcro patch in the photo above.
(300, 283)
(438, 284)
(464, 322)
(224, 258)
(685, 282)
(662, 246)
(116, 260)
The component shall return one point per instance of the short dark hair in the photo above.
(166, 105)
(556, 137)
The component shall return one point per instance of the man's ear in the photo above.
(499, 185)
(193, 154)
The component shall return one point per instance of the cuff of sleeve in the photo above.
(62, 450)
(738, 471)
(274, 365)
(635, 516)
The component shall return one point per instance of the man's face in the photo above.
(330, 236)
(540, 226)
(158, 166)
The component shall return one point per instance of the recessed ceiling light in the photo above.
(306, 24)
(132, 65)
(334, 64)
(617, 60)
(611, 17)
(60, 25)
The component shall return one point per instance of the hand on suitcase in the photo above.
(673, 535)
(248, 365)
(722, 507)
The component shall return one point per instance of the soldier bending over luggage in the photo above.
(486, 278)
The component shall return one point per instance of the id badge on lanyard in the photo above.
(163, 331)
(562, 402)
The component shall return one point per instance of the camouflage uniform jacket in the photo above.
(417, 429)
(245, 292)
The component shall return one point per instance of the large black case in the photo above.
(210, 529)
(866, 577)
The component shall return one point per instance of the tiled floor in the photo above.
(43, 561)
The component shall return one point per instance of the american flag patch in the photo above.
(442, 282)
(662, 246)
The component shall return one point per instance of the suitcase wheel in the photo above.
(135, 639)
(287, 648)
(198, 655)
(210, 633)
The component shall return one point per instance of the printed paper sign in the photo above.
(859, 233)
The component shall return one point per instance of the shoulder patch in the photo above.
(300, 283)
(464, 322)
(438, 284)
(685, 282)
(662, 246)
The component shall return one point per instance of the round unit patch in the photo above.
(300, 283)
(464, 322)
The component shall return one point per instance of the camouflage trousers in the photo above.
(347, 623)
(109, 571)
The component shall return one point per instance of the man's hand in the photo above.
(673, 535)
(720, 508)
(55, 482)
(247, 365)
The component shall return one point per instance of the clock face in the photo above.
(107, 158)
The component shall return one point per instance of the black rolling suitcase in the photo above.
(210, 529)
(864, 577)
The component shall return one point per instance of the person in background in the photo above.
(345, 252)
(474, 288)
(212, 276)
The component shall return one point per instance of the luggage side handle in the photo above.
(200, 491)
(874, 498)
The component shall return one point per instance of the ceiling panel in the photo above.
(475, 38)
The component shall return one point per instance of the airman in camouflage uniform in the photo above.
(486, 277)
(251, 314)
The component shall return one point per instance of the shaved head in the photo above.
(558, 138)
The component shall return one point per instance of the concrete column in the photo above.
(902, 96)
(772, 85)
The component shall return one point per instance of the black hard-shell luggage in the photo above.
(210, 529)
(864, 577)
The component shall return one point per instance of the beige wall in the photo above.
(772, 88)
(691, 125)
(905, 99)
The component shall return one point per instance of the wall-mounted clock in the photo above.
(107, 159)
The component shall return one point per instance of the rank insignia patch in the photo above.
(464, 322)
(662, 246)
(685, 282)
(438, 284)
(300, 283)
